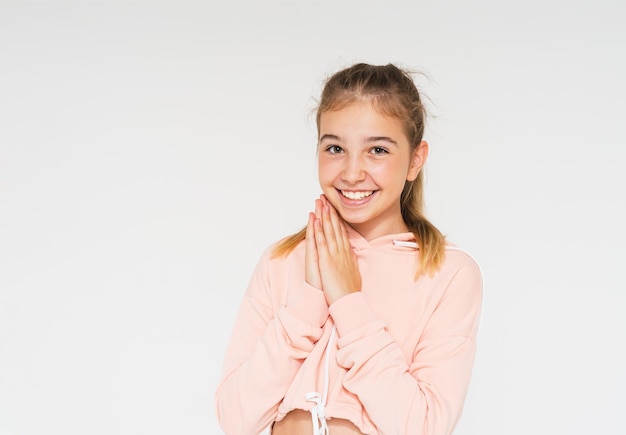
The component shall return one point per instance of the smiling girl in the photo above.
(365, 321)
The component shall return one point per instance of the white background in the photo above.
(149, 152)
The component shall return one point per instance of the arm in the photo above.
(265, 351)
(424, 396)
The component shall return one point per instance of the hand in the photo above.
(336, 261)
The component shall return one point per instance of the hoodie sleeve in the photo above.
(423, 396)
(267, 347)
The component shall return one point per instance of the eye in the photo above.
(334, 149)
(378, 150)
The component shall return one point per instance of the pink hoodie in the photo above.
(395, 358)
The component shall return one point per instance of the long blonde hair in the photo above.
(392, 91)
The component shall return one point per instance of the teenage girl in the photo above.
(365, 321)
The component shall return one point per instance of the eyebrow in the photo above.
(330, 137)
(380, 139)
(368, 140)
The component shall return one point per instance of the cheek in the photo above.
(390, 173)
(326, 171)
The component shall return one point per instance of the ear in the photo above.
(420, 154)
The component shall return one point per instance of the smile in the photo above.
(356, 196)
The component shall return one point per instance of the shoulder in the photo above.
(274, 272)
(273, 258)
(462, 269)
(458, 257)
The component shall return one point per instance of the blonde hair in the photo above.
(392, 91)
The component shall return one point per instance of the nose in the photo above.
(354, 170)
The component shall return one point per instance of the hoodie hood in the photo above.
(400, 242)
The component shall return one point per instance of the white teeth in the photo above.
(356, 195)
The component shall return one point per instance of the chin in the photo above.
(352, 219)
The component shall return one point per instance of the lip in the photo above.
(355, 202)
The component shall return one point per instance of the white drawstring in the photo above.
(405, 244)
(318, 412)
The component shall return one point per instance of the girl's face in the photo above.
(364, 160)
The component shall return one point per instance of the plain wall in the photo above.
(149, 152)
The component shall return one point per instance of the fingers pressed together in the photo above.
(331, 264)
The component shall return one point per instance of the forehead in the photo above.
(360, 119)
